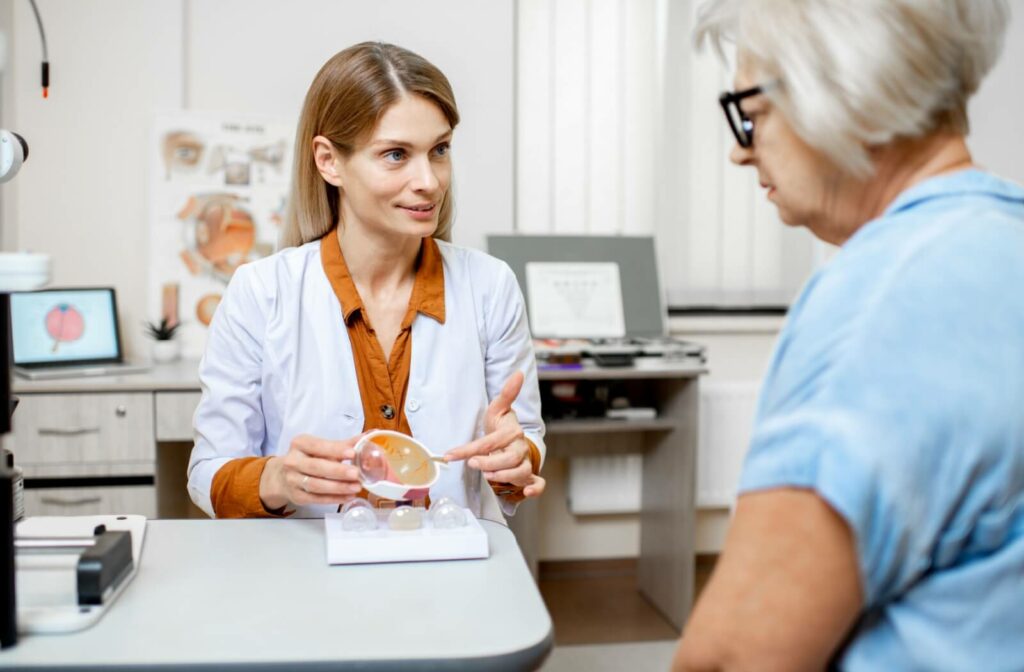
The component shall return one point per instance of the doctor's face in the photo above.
(395, 180)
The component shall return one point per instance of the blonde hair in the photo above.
(854, 74)
(344, 103)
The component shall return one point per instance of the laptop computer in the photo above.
(644, 314)
(67, 333)
(635, 290)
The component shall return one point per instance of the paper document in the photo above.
(575, 299)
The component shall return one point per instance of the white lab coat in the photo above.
(278, 363)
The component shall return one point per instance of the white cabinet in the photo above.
(174, 411)
(78, 501)
(80, 429)
(86, 454)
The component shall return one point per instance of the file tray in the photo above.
(387, 545)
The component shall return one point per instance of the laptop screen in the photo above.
(633, 257)
(56, 327)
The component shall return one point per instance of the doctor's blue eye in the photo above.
(443, 149)
(394, 155)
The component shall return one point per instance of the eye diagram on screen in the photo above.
(64, 324)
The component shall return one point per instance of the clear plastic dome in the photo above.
(405, 518)
(358, 518)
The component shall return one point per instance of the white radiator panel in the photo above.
(605, 484)
(723, 435)
(612, 484)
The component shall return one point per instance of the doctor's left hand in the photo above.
(502, 453)
(311, 472)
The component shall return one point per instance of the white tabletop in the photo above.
(259, 595)
(180, 376)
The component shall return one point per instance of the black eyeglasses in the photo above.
(742, 126)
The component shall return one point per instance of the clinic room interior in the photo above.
(512, 335)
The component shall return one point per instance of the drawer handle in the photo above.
(48, 431)
(71, 502)
(121, 411)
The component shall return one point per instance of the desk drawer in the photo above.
(84, 428)
(90, 500)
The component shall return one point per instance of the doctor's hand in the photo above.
(503, 454)
(311, 472)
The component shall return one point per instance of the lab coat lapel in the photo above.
(325, 356)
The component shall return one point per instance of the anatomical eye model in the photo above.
(396, 466)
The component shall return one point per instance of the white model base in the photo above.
(47, 591)
(387, 545)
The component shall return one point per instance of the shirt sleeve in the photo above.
(827, 450)
(513, 494)
(229, 422)
(235, 492)
(509, 349)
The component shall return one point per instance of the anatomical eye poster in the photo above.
(219, 186)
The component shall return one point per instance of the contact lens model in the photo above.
(406, 518)
(358, 516)
(447, 516)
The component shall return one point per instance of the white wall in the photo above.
(81, 197)
(115, 63)
(261, 55)
(996, 138)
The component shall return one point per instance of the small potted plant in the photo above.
(165, 348)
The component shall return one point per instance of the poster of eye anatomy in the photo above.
(218, 195)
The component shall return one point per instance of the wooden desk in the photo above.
(104, 428)
(259, 595)
(668, 444)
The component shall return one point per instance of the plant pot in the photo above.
(166, 351)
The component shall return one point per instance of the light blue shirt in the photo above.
(896, 392)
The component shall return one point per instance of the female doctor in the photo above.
(369, 318)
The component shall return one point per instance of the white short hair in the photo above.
(860, 73)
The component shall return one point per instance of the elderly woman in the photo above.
(880, 524)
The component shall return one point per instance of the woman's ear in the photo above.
(326, 159)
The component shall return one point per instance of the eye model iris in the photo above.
(64, 324)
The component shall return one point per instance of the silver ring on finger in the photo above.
(305, 483)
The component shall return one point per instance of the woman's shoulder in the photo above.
(474, 262)
(279, 269)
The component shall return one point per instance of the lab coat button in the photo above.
(413, 405)
(387, 411)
